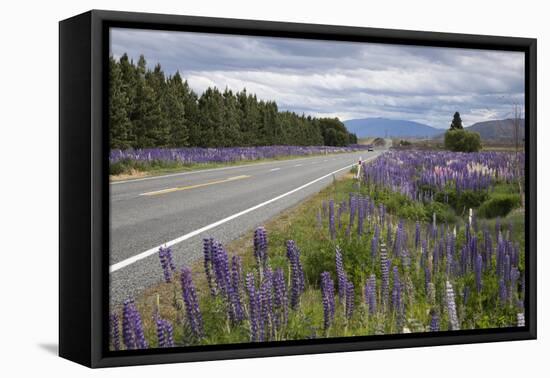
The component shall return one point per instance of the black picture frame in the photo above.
(84, 189)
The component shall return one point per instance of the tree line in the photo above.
(148, 108)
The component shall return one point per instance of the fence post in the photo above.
(358, 168)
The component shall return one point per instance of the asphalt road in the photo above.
(181, 209)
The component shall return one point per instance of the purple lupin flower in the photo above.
(502, 292)
(331, 225)
(138, 331)
(128, 336)
(427, 277)
(435, 256)
(449, 261)
(161, 338)
(501, 251)
(385, 272)
(434, 322)
(168, 333)
(341, 274)
(266, 306)
(514, 277)
(396, 291)
(506, 268)
(370, 294)
(253, 307)
(132, 327)
(478, 269)
(399, 239)
(280, 300)
(207, 244)
(297, 279)
(327, 293)
(236, 279)
(260, 247)
(451, 307)
(515, 260)
(381, 213)
(350, 299)
(220, 262)
(374, 242)
(194, 316)
(341, 209)
(165, 333)
(114, 331)
(166, 262)
(423, 252)
(319, 220)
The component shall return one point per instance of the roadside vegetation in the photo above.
(151, 161)
(421, 242)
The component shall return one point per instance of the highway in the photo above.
(181, 209)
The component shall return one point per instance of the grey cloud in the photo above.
(344, 79)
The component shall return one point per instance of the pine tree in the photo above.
(147, 113)
(175, 109)
(211, 118)
(159, 117)
(231, 133)
(456, 124)
(191, 108)
(119, 122)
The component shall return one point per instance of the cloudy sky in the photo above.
(344, 79)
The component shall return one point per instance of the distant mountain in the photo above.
(383, 127)
(498, 129)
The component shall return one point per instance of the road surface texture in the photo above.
(181, 209)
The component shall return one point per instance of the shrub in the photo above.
(461, 201)
(443, 213)
(116, 168)
(499, 205)
(462, 141)
(400, 204)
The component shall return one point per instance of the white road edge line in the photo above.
(274, 169)
(130, 260)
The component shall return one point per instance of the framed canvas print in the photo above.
(234, 188)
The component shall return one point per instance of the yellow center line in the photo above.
(177, 189)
